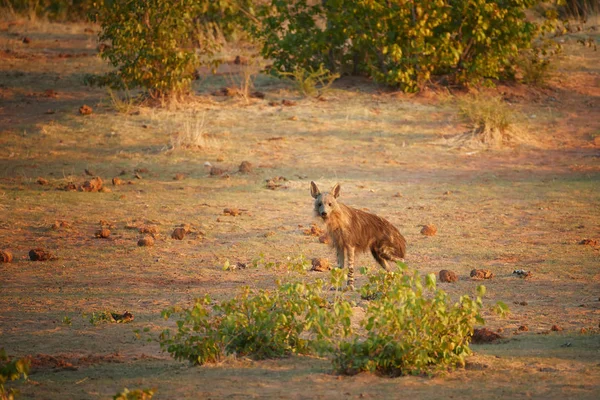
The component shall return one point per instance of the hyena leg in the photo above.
(351, 268)
(341, 258)
(380, 260)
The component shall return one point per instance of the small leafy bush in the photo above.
(259, 325)
(410, 328)
(11, 370)
(156, 45)
(312, 82)
(137, 394)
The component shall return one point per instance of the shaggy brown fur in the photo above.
(353, 230)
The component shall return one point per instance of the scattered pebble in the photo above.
(481, 274)
(448, 276)
(521, 273)
(85, 110)
(234, 212)
(429, 230)
(5, 256)
(147, 241)
(484, 335)
(320, 265)
(178, 233)
(245, 167)
(93, 185)
(40, 255)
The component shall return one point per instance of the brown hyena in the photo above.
(352, 230)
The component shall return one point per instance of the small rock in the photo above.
(102, 233)
(5, 256)
(85, 110)
(556, 328)
(116, 181)
(293, 118)
(149, 229)
(122, 318)
(68, 187)
(214, 171)
(50, 93)
(320, 265)
(523, 328)
(178, 233)
(26, 40)
(141, 170)
(288, 103)
(179, 177)
(589, 242)
(88, 172)
(137, 175)
(429, 230)
(324, 239)
(482, 274)
(147, 241)
(245, 167)
(313, 231)
(60, 224)
(522, 273)
(42, 181)
(234, 212)
(40, 255)
(448, 276)
(257, 95)
(484, 335)
(275, 182)
(93, 185)
(398, 194)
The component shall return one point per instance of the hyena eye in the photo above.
(329, 204)
(320, 204)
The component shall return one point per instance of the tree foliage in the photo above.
(402, 43)
(158, 44)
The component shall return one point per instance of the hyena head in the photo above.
(325, 203)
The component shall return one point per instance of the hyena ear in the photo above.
(335, 191)
(314, 190)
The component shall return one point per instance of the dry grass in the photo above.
(492, 123)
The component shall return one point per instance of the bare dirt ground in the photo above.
(527, 207)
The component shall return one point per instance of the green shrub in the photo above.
(312, 82)
(402, 43)
(411, 328)
(259, 325)
(157, 44)
(11, 370)
(137, 394)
